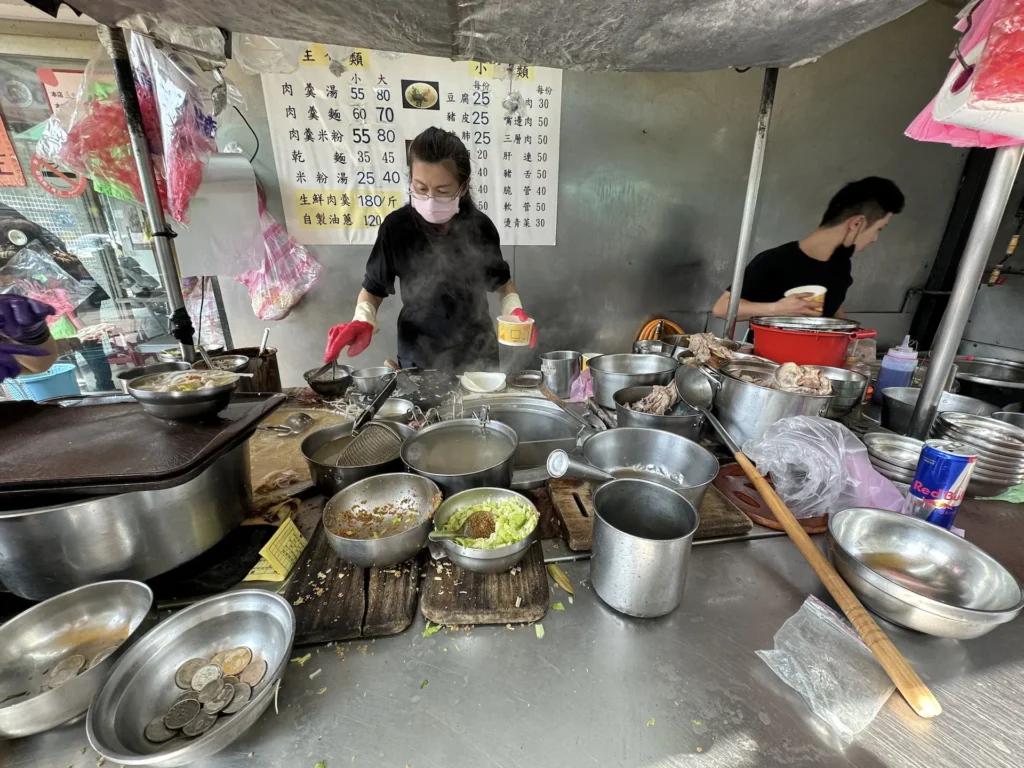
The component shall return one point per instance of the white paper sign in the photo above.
(340, 140)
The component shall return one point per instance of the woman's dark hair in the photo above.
(436, 145)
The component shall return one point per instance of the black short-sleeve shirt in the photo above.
(444, 277)
(773, 272)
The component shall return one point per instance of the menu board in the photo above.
(341, 132)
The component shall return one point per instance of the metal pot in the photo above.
(498, 474)
(651, 454)
(611, 373)
(747, 410)
(686, 421)
(145, 370)
(47, 550)
(898, 406)
(643, 532)
(560, 369)
(371, 381)
(996, 381)
(330, 479)
(483, 560)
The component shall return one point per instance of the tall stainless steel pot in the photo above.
(498, 475)
(686, 422)
(747, 410)
(611, 373)
(138, 535)
(330, 479)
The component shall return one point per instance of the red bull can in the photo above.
(940, 482)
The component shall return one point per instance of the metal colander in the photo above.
(376, 443)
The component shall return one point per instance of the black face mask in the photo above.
(843, 252)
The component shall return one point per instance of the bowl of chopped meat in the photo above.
(657, 407)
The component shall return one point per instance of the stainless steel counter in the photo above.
(602, 689)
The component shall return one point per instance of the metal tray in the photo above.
(84, 446)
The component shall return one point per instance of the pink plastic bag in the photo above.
(582, 388)
(999, 77)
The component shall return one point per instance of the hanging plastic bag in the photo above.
(999, 78)
(32, 272)
(819, 466)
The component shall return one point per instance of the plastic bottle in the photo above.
(897, 369)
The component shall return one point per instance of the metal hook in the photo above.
(956, 46)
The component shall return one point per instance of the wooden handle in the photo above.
(896, 666)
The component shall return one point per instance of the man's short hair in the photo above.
(873, 197)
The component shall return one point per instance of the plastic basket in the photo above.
(60, 380)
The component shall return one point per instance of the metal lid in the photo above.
(819, 324)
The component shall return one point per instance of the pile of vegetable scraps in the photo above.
(513, 521)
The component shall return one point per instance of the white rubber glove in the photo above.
(510, 304)
(366, 312)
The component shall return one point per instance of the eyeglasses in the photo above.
(436, 198)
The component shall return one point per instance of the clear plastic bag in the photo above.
(258, 55)
(582, 388)
(286, 274)
(820, 657)
(999, 78)
(819, 466)
(32, 272)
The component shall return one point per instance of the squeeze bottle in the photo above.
(897, 369)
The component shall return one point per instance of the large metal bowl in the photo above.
(1010, 417)
(148, 370)
(87, 622)
(651, 454)
(921, 576)
(996, 381)
(483, 560)
(381, 501)
(330, 479)
(141, 685)
(683, 420)
(231, 363)
(898, 406)
(447, 434)
(848, 388)
(610, 373)
(371, 381)
(331, 386)
(198, 405)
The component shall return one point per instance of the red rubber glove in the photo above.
(522, 317)
(355, 335)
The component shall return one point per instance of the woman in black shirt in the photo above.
(447, 256)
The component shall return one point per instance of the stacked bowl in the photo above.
(848, 388)
(1000, 449)
(894, 457)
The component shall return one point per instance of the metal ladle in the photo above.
(561, 464)
(695, 390)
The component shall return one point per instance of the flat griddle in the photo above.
(91, 446)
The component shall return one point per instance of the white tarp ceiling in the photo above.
(642, 35)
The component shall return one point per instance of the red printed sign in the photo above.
(10, 168)
(55, 181)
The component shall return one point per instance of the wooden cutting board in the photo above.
(452, 595)
(737, 488)
(574, 505)
(334, 600)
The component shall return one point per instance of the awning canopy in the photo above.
(638, 35)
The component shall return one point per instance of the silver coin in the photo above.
(157, 732)
(61, 676)
(236, 660)
(205, 675)
(242, 695)
(220, 701)
(211, 691)
(181, 713)
(176, 743)
(219, 656)
(200, 724)
(183, 677)
(73, 663)
(253, 673)
(102, 656)
(187, 695)
(231, 680)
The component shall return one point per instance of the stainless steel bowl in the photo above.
(400, 501)
(447, 435)
(921, 576)
(331, 479)
(371, 381)
(483, 560)
(654, 347)
(651, 454)
(147, 370)
(610, 373)
(683, 420)
(848, 388)
(141, 685)
(902, 451)
(996, 381)
(182, 406)
(396, 409)
(232, 363)
(332, 384)
(898, 406)
(1010, 417)
(85, 622)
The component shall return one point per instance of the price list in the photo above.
(341, 131)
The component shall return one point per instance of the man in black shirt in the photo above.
(852, 221)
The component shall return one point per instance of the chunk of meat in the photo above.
(659, 402)
(706, 347)
(801, 380)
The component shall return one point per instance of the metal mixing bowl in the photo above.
(848, 388)
(382, 500)
(234, 363)
(483, 560)
(682, 420)
(396, 409)
(371, 381)
(147, 370)
(141, 685)
(921, 576)
(1010, 417)
(610, 373)
(182, 406)
(84, 622)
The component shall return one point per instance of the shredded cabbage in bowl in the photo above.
(514, 520)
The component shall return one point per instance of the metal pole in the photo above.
(764, 118)
(968, 278)
(112, 39)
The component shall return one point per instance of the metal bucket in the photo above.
(643, 532)
(560, 370)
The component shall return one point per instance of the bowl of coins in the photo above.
(54, 656)
(195, 683)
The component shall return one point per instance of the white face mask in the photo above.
(436, 211)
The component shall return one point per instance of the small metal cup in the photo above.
(560, 370)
